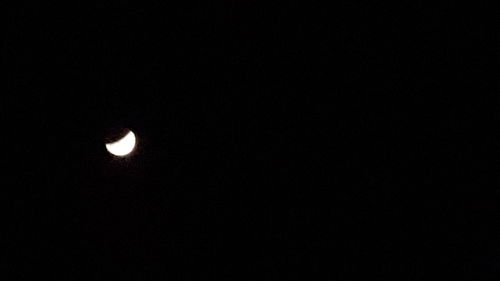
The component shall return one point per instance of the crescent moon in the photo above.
(123, 146)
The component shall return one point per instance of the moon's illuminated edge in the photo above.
(123, 146)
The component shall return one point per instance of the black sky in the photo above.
(277, 142)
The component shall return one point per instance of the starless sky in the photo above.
(274, 142)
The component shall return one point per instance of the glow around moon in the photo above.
(123, 146)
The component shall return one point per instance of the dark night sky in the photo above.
(277, 141)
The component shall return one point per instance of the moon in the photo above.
(123, 146)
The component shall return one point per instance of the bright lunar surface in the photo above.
(123, 146)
